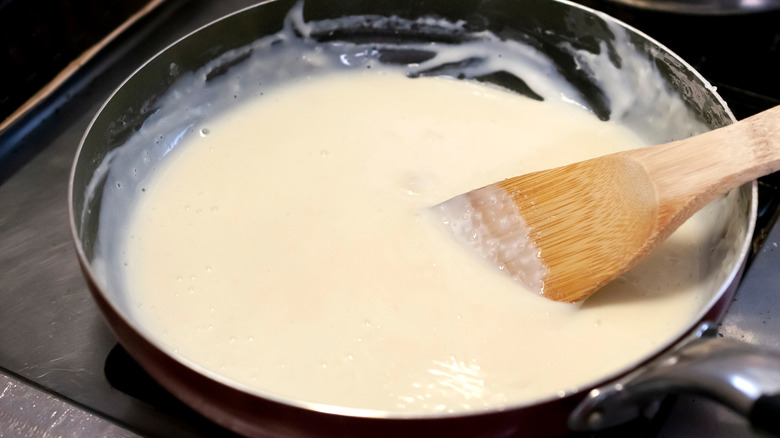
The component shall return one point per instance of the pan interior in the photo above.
(622, 78)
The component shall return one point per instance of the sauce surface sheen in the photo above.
(290, 248)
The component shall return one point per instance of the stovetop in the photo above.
(61, 370)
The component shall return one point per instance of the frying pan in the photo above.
(557, 28)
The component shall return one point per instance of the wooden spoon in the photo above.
(586, 223)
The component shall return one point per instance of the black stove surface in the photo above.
(739, 54)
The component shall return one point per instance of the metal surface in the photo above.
(730, 372)
(27, 412)
(50, 330)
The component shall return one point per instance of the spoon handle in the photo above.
(688, 174)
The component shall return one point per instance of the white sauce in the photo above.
(497, 232)
(284, 245)
(298, 259)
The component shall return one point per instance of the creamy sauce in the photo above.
(271, 225)
(289, 248)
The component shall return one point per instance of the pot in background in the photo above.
(704, 7)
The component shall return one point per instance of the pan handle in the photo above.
(741, 376)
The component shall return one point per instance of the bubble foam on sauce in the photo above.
(502, 238)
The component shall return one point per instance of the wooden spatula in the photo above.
(566, 232)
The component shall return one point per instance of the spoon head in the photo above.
(563, 232)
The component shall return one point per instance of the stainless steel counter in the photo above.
(51, 333)
(53, 342)
(28, 412)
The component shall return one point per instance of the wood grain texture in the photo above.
(593, 220)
